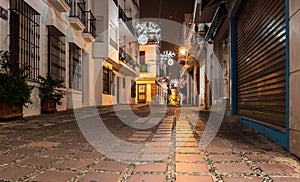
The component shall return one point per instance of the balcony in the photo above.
(77, 14)
(144, 68)
(61, 5)
(126, 58)
(116, 2)
(89, 33)
(136, 4)
(126, 20)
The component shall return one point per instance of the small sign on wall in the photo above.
(3, 13)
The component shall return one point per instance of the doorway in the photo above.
(142, 93)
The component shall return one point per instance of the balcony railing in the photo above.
(116, 2)
(90, 23)
(126, 58)
(144, 68)
(136, 4)
(113, 43)
(61, 5)
(77, 9)
(126, 20)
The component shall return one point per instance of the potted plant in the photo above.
(14, 90)
(51, 93)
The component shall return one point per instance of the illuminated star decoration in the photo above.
(150, 29)
(169, 56)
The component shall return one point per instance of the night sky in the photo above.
(172, 10)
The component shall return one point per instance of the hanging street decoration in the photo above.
(151, 29)
(143, 39)
(169, 57)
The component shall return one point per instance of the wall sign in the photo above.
(3, 13)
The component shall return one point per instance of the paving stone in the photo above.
(156, 150)
(122, 156)
(224, 158)
(260, 157)
(73, 164)
(156, 167)
(137, 135)
(88, 155)
(7, 159)
(233, 168)
(99, 177)
(56, 153)
(15, 142)
(38, 161)
(44, 144)
(160, 140)
(188, 150)
(55, 176)
(188, 178)
(276, 168)
(286, 179)
(217, 149)
(189, 158)
(26, 150)
(146, 178)
(15, 173)
(143, 132)
(110, 165)
(154, 157)
(197, 168)
(159, 143)
(249, 149)
(70, 146)
(241, 179)
(137, 139)
(186, 144)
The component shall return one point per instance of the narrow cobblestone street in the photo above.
(52, 148)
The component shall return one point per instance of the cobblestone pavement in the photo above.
(52, 148)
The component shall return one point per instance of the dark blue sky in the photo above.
(167, 9)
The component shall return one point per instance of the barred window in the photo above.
(108, 79)
(56, 53)
(75, 66)
(24, 38)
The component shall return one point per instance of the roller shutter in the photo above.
(261, 61)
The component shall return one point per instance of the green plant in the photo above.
(14, 89)
(51, 89)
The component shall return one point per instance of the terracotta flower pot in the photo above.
(48, 107)
(8, 112)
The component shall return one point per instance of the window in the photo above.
(75, 67)
(108, 78)
(133, 89)
(24, 38)
(142, 57)
(56, 53)
(124, 82)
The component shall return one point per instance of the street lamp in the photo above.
(183, 51)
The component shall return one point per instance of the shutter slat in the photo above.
(261, 61)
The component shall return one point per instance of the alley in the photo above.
(52, 148)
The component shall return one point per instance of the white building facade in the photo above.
(115, 51)
(64, 38)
